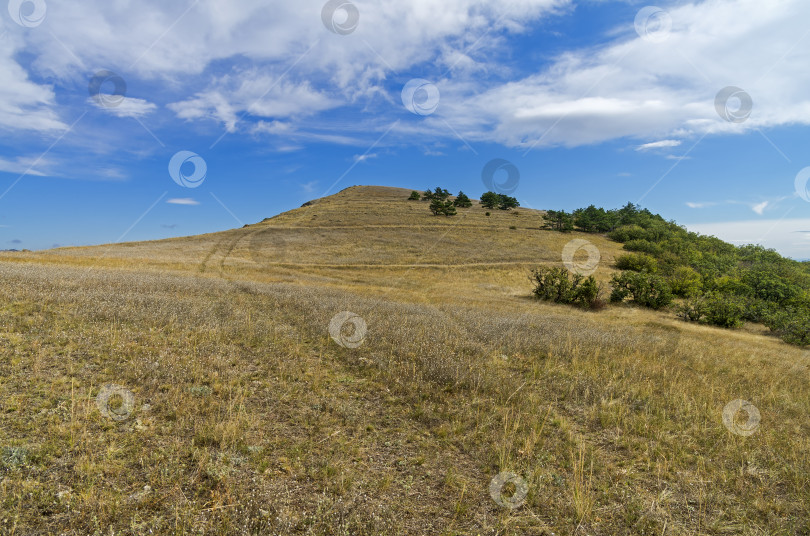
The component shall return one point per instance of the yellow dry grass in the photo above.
(248, 418)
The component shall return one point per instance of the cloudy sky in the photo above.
(131, 120)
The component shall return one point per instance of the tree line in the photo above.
(442, 205)
(701, 278)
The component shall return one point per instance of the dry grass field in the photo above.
(191, 386)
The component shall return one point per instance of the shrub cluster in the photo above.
(558, 285)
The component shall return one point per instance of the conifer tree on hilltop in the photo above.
(415, 196)
(496, 200)
(462, 201)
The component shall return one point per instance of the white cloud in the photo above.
(364, 157)
(624, 87)
(759, 208)
(128, 107)
(700, 205)
(663, 144)
(182, 201)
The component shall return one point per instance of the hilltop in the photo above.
(360, 366)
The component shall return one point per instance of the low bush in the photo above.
(642, 288)
(560, 286)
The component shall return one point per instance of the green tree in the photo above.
(558, 220)
(506, 203)
(462, 201)
(442, 207)
(490, 200)
(415, 196)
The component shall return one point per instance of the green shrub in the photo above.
(643, 246)
(685, 281)
(415, 196)
(637, 262)
(558, 285)
(643, 288)
(625, 233)
(723, 310)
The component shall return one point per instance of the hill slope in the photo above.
(234, 410)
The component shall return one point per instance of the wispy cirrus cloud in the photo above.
(182, 201)
(663, 144)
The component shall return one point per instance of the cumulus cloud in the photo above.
(248, 59)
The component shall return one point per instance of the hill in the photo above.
(214, 384)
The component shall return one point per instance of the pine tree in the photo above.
(490, 200)
(462, 201)
(415, 196)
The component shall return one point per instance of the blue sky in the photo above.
(598, 102)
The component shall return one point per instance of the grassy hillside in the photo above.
(246, 416)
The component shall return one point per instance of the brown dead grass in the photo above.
(249, 419)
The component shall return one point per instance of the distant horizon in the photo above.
(694, 227)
